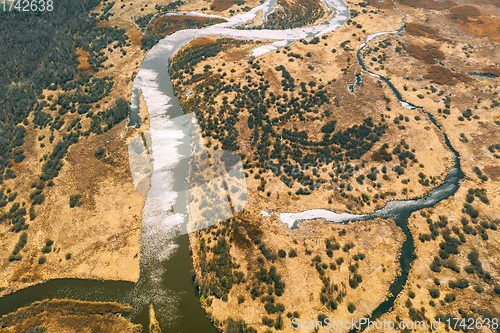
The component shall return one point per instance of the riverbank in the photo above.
(67, 316)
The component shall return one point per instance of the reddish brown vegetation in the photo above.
(428, 4)
(204, 76)
(200, 41)
(308, 3)
(430, 54)
(472, 20)
(379, 156)
(101, 24)
(295, 13)
(422, 30)
(83, 57)
(170, 24)
(491, 70)
(221, 5)
(442, 75)
(68, 315)
(487, 2)
(385, 4)
(493, 172)
(464, 13)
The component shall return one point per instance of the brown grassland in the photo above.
(69, 316)
(170, 24)
(494, 70)
(427, 4)
(410, 62)
(83, 65)
(441, 75)
(221, 5)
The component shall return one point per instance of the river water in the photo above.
(165, 278)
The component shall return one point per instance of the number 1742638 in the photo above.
(27, 5)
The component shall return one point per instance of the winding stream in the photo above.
(165, 261)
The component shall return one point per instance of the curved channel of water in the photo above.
(165, 261)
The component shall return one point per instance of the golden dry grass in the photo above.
(385, 4)
(491, 70)
(428, 4)
(103, 24)
(308, 3)
(422, 30)
(135, 39)
(199, 41)
(442, 75)
(83, 57)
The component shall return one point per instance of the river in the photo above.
(165, 260)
